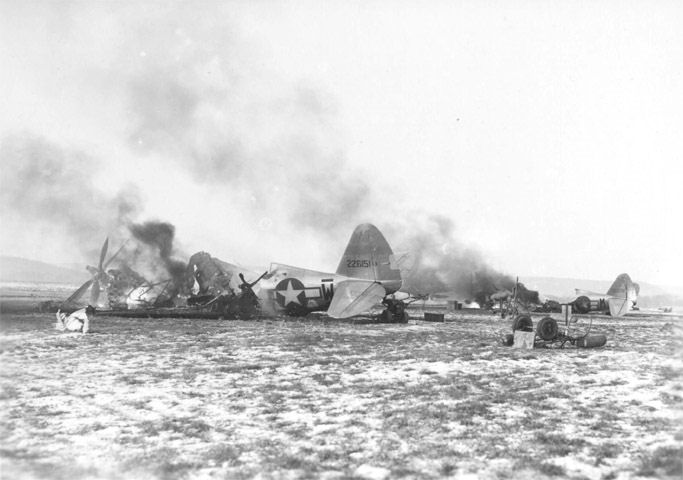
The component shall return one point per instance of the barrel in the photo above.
(592, 341)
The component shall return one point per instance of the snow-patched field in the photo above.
(316, 398)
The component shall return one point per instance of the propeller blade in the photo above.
(95, 293)
(114, 256)
(103, 253)
(79, 292)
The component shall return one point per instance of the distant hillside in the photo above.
(564, 287)
(15, 269)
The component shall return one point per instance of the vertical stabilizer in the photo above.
(368, 256)
(625, 291)
(623, 287)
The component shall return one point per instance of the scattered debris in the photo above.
(549, 334)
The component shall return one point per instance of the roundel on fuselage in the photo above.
(290, 290)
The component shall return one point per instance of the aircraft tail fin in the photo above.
(368, 256)
(618, 306)
(623, 288)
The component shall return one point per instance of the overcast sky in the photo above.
(549, 133)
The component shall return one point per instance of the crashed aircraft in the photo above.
(367, 275)
(621, 297)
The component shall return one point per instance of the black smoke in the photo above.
(440, 263)
(54, 186)
(155, 251)
(200, 98)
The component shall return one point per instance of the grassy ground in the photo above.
(322, 399)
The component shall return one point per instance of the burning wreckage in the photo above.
(205, 286)
(367, 275)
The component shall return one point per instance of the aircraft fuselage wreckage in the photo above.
(619, 299)
(367, 275)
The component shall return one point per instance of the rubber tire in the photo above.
(547, 328)
(582, 304)
(523, 323)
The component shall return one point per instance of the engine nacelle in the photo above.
(583, 304)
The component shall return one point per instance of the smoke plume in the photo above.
(55, 186)
(45, 183)
(153, 252)
(441, 263)
(201, 99)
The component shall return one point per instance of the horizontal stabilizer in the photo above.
(352, 297)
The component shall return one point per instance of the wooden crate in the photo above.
(433, 317)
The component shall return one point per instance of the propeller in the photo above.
(115, 255)
(99, 275)
(78, 293)
(103, 252)
(95, 291)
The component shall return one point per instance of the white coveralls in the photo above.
(76, 322)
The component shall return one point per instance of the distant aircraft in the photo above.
(619, 299)
(367, 274)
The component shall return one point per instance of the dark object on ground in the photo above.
(433, 317)
(249, 304)
(550, 306)
(395, 311)
(198, 300)
(547, 328)
(523, 323)
(548, 335)
(591, 341)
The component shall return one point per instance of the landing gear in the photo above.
(395, 311)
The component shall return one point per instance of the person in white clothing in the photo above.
(78, 321)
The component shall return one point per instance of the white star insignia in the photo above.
(291, 295)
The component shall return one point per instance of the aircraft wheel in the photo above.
(582, 304)
(509, 340)
(402, 317)
(547, 328)
(523, 323)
